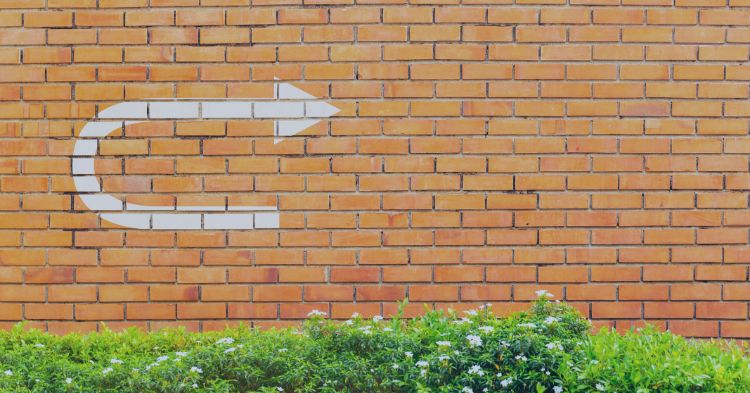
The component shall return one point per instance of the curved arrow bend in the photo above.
(292, 110)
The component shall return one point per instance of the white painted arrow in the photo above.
(293, 110)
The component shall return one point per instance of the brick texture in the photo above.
(484, 149)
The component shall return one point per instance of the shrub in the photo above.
(652, 361)
(547, 349)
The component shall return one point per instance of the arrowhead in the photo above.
(320, 109)
(315, 111)
(287, 91)
(292, 127)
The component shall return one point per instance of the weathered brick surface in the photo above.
(484, 150)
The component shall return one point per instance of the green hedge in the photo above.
(547, 349)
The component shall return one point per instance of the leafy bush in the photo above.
(651, 361)
(547, 349)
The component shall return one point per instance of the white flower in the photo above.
(195, 385)
(504, 343)
(474, 340)
(423, 363)
(8, 373)
(557, 389)
(355, 315)
(487, 329)
(107, 370)
(521, 358)
(555, 345)
(196, 370)
(423, 372)
(467, 389)
(162, 358)
(181, 354)
(443, 343)
(527, 325)
(377, 318)
(443, 358)
(39, 345)
(543, 292)
(317, 313)
(409, 354)
(476, 370)
(68, 380)
(550, 320)
(395, 367)
(599, 387)
(462, 321)
(387, 329)
(366, 329)
(279, 388)
(505, 382)
(115, 361)
(349, 322)
(471, 313)
(499, 375)
(230, 349)
(225, 340)
(283, 349)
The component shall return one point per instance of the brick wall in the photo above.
(482, 150)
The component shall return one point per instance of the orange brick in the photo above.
(49, 311)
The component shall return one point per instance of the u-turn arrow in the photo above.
(292, 110)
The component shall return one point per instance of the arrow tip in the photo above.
(321, 109)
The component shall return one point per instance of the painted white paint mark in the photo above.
(86, 184)
(137, 207)
(125, 110)
(278, 109)
(83, 166)
(176, 221)
(227, 110)
(228, 221)
(266, 220)
(286, 91)
(173, 110)
(292, 109)
(85, 147)
(292, 127)
(319, 109)
(99, 129)
(251, 208)
(101, 202)
(129, 220)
